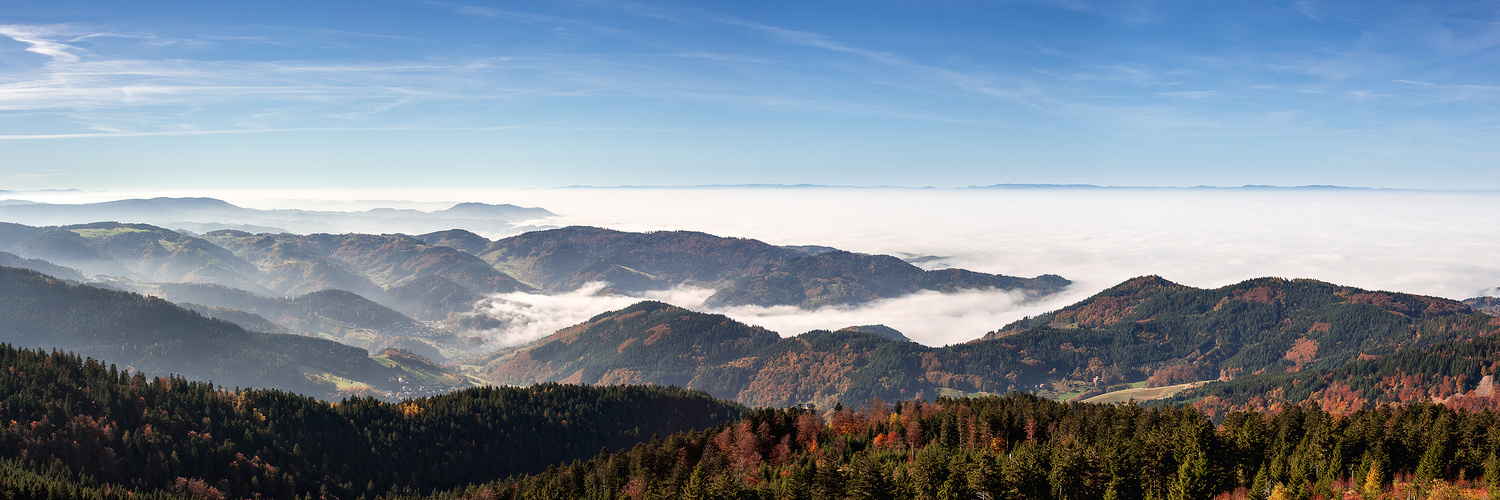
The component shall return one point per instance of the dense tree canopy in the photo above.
(124, 429)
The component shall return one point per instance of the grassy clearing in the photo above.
(343, 384)
(421, 372)
(1068, 396)
(1142, 393)
(955, 393)
(106, 232)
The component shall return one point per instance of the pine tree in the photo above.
(1373, 482)
(1260, 488)
(870, 481)
(1431, 466)
(1192, 481)
(950, 490)
(828, 482)
(1492, 476)
(695, 489)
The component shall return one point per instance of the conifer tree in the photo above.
(1432, 464)
(1373, 482)
(1260, 488)
(695, 488)
(870, 481)
(828, 482)
(1492, 476)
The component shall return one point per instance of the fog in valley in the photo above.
(1424, 242)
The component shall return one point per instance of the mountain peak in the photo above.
(500, 212)
(1142, 283)
(879, 331)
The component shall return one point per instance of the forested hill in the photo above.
(1459, 374)
(649, 342)
(168, 434)
(137, 251)
(1146, 329)
(564, 259)
(1487, 305)
(1266, 324)
(12, 260)
(338, 315)
(158, 337)
(847, 278)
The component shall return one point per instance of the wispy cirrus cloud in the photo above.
(38, 40)
(967, 81)
(85, 88)
(1456, 92)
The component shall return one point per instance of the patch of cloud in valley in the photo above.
(928, 317)
(529, 316)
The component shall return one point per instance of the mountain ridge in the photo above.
(1144, 330)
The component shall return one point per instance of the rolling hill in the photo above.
(139, 252)
(337, 315)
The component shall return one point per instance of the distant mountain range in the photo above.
(201, 215)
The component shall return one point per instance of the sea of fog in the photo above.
(1425, 242)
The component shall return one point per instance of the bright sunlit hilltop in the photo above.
(98, 94)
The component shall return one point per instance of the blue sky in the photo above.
(394, 93)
